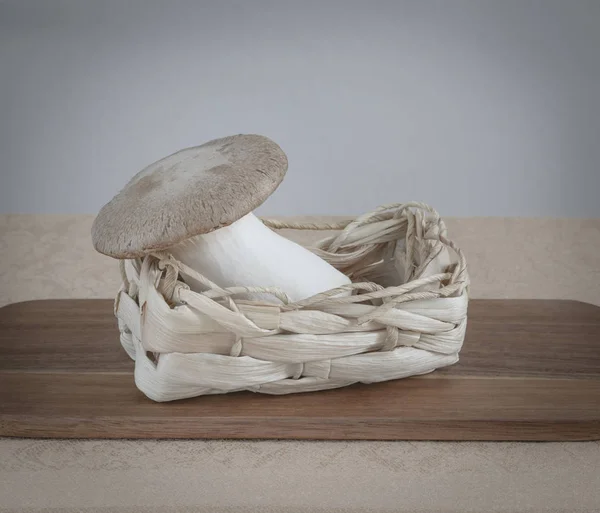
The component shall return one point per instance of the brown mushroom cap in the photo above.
(194, 191)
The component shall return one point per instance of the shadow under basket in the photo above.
(404, 314)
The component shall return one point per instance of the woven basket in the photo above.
(406, 315)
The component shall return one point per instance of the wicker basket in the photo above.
(406, 315)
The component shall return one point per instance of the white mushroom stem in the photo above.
(247, 253)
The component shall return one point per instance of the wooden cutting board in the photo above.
(529, 370)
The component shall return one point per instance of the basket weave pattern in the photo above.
(404, 314)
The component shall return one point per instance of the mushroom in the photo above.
(197, 205)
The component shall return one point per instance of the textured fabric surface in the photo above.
(52, 257)
(301, 476)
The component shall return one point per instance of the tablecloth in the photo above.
(51, 256)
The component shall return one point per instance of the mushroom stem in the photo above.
(248, 253)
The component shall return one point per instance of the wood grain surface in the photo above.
(529, 370)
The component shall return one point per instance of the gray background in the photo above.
(479, 108)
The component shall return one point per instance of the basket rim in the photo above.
(327, 247)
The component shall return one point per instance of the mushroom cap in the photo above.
(191, 192)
